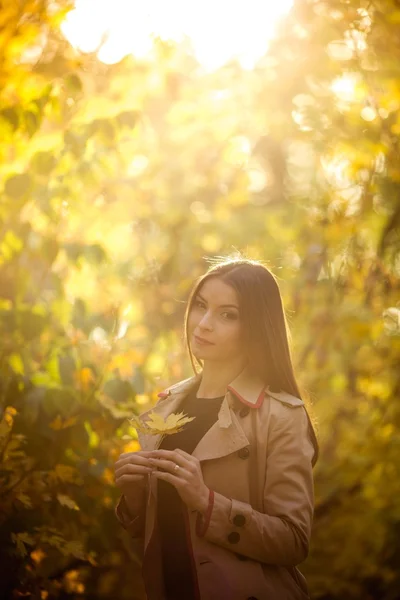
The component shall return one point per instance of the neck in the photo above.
(216, 376)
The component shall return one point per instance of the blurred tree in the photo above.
(115, 182)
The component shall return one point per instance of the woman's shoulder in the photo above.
(280, 407)
(180, 386)
(284, 398)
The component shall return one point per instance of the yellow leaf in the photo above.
(156, 424)
(125, 362)
(7, 421)
(66, 474)
(24, 498)
(108, 476)
(20, 539)
(58, 423)
(38, 555)
(65, 500)
(84, 377)
(16, 363)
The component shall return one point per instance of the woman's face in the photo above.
(215, 318)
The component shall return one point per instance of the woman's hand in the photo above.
(187, 480)
(131, 472)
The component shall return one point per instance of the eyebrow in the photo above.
(221, 306)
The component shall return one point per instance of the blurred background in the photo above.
(137, 140)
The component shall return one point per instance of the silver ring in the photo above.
(176, 468)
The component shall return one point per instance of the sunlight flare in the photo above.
(218, 31)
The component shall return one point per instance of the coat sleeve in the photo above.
(134, 524)
(280, 534)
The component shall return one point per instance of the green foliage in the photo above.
(115, 182)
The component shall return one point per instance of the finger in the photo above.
(133, 470)
(185, 454)
(168, 465)
(131, 458)
(175, 481)
(173, 456)
(166, 454)
(144, 453)
(189, 461)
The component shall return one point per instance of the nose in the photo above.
(206, 321)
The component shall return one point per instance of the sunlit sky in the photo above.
(218, 29)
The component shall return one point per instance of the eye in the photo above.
(199, 303)
(230, 315)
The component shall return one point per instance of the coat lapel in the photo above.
(224, 436)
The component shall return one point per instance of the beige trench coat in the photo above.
(256, 461)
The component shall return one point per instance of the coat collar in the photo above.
(248, 388)
(226, 435)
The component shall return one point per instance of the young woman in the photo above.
(224, 507)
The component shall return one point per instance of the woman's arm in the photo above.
(281, 534)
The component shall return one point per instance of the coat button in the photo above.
(244, 453)
(239, 520)
(233, 537)
(244, 411)
(252, 598)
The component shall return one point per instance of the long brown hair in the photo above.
(265, 328)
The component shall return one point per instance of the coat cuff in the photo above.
(227, 515)
(203, 521)
(240, 514)
(134, 526)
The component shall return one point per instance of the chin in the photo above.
(200, 351)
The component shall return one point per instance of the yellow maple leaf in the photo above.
(156, 424)
(65, 500)
(58, 423)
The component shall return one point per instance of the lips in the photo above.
(202, 341)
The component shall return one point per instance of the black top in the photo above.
(177, 566)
